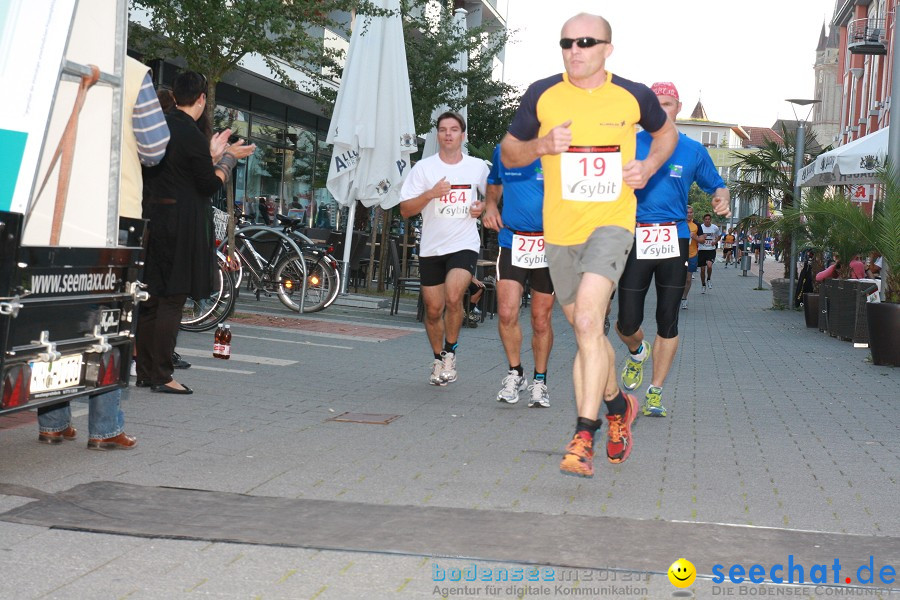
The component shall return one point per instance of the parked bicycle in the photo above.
(207, 313)
(271, 258)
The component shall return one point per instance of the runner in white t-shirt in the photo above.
(709, 235)
(444, 188)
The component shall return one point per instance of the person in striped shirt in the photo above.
(145, 136)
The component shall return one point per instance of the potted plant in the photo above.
(882, 234)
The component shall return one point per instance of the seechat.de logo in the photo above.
(793, 572)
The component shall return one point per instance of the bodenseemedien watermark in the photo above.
(559, 590)
(491, 581)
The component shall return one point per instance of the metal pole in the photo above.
(348, 241)
(799, 146)
(762, 241)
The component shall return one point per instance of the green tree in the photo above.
(213, 36)
(702, 203)
(433, 43)
(768, 174)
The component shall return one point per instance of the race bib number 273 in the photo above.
(656, 241)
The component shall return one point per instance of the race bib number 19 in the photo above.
(656, 241)
(455, 203)
(528, 251)
(591, 173)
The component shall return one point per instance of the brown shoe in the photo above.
(57, 437)
(119, 442)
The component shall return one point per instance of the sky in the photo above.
(740, 58)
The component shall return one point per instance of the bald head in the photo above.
(586, 63)
(597, 24)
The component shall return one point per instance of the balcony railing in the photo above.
(867, 36)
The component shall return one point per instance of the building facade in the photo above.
(826, 116)
(865, 32)
(288, 171)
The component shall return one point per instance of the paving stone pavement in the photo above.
(770, 425)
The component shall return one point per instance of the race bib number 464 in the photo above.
(455, 203)
(656, 241)
(528, 251)
(591, 173)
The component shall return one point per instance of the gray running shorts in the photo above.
(604, 253)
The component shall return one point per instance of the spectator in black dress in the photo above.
(180, 254)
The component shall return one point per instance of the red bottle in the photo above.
(217, 341)
(226, 343)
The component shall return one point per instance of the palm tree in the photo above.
(850, 231)
(768, 174)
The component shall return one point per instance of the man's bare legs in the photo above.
(444, 309)
(595, 360)
(435, 301)
(509, 299)
(593, 375)
(443, 320)
(541, 329)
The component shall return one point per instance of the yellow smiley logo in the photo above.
(682, 573)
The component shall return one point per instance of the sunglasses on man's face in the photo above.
(582, 42)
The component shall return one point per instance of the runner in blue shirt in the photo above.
(661, 249)
(521, 261)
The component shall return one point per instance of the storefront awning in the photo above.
(853, 163)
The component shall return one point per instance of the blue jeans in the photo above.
(105, 416)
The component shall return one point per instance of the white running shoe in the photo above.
(703, 290)
(448, 372)
(513, 383)
(436, 367)
(133, 371)
(709, 284)
(539, 394)
(683, 304)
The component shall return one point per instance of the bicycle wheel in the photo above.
(321, 283)
(205, 314)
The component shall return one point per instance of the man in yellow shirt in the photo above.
(581, 124)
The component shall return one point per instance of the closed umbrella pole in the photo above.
(348, 241)
(372, 129)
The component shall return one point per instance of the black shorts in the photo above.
(670, 275)
(433, 269)
(539, 278)
(727, 251)
(704, 256)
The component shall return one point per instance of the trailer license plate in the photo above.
(56, 375)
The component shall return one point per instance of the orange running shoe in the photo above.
(618, 438)
(579, 458)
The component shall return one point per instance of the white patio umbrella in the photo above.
(461, 64)
(851, 164)
(372, 127)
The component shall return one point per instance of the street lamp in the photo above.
(799, 148)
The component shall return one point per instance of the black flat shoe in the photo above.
(178, 362)
(141, 383)
(165, 389)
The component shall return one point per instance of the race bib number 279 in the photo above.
(591, 173)
(528, 251)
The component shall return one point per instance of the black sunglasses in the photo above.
(582, 42)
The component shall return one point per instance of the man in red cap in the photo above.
(660, 252)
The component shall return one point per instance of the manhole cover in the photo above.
(372, 419)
